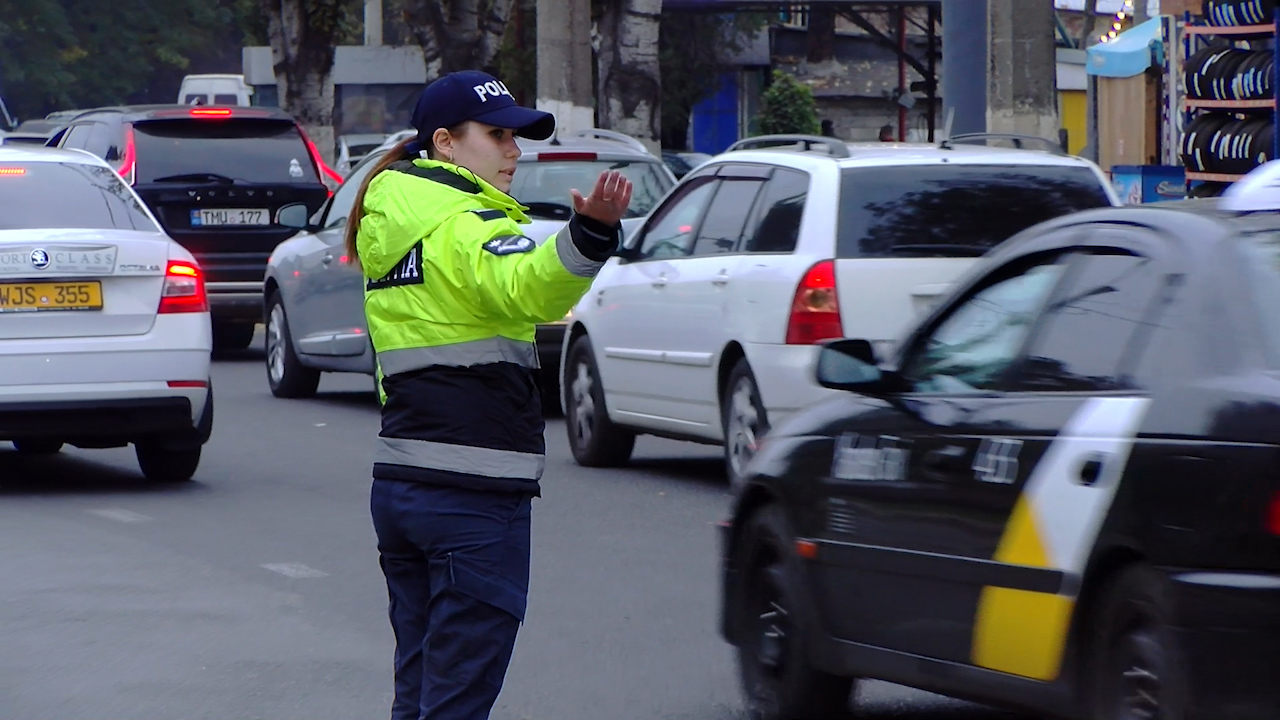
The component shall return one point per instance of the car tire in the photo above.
(232, 336)
(1133, 669)
(593, 438)
(37, 446)
(167, 463)
(778, 681)
(744, 420)
(286, 375)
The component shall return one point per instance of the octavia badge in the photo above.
(39, 259)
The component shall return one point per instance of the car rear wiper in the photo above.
(198, 177)
(959, 250)
(553, 210)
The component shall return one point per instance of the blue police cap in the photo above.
(474, 95)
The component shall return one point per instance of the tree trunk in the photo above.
(457, 34)
(303, 34)
(630, 95)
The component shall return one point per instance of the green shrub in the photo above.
(787, 106)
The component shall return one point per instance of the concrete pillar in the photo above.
(564, 63)
(1022, 83)
(964, 65)
(372, 22)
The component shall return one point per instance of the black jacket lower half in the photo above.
(478, 427)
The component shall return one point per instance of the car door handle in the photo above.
(1090, 470)
(947, 459)
(661, 281)
(327, 259)
(721, 279)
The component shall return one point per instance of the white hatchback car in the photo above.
(706, 325)
(104, 322)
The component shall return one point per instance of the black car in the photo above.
(1061, 494)
(216, 178)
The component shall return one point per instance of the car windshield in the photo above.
(252, 150)
(544, 181)
(953, 210)
(68, 195)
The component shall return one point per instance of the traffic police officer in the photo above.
(453, 294)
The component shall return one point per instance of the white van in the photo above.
(214, 90)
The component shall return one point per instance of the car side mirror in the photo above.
(294, 215)
(849, 365)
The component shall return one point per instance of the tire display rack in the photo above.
(1237, 122)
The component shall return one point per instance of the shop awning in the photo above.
(1130, 53)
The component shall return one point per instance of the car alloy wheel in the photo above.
(275, 344)
(286, 374)
(593, 438)
(1141, 676)
(744, 423)
(779, 681)
(584, 404)
(1134, 669)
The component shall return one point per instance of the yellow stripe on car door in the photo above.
(1055, 525)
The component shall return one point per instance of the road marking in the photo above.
(120, 515)
(295, 570)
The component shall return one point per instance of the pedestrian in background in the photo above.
(453, 294)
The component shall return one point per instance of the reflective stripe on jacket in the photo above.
(453, 295)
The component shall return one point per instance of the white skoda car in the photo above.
(104, 323)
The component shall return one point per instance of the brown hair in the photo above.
(394, 155)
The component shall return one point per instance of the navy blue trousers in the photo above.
(457, 569)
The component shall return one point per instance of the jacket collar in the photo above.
(463, 180)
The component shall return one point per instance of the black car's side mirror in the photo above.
(849, 365)
(294, 215)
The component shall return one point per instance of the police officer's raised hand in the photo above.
(608, 201)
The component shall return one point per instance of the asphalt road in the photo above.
(254, 590)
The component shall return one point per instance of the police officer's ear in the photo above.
(442, 145)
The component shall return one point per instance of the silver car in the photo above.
(314, 298)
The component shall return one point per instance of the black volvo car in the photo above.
(1060, 494)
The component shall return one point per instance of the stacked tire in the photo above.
(1224, 143)
(1223, 72)
(1234, 13)
(1232, 141)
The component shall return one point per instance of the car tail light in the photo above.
(815, 311)
(211, 112)
(6, 171)
(129, 161)
(1273, 515)
(183, 289)
(188, 383)
(316, 158)
(553, 156)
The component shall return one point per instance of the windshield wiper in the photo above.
(553, 210)
(198, 177)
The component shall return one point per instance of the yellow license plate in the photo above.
(24, 297)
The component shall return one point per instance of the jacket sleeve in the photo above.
(514, 278)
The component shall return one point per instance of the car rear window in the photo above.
(252, 150)
(68, 195)
(954, 210)
(549, 181)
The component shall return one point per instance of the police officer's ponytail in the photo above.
(394, 155)
(405, 150)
